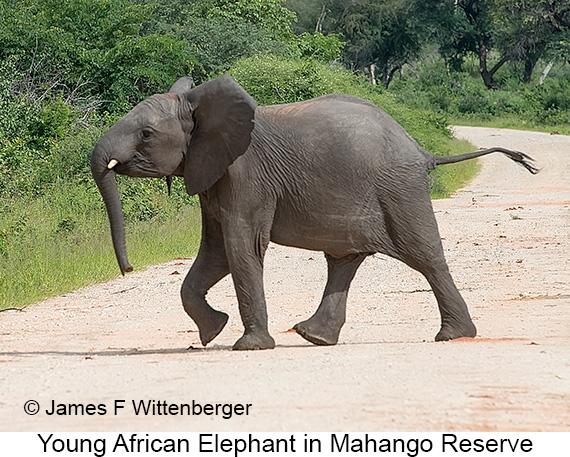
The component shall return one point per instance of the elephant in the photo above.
(334, 174)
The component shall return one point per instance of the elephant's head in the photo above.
(192, 132)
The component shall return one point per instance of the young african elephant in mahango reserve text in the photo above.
(334, 174)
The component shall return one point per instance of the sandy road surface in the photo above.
(506, 238)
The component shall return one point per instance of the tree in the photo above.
(527, 32)
(479, 17)
(383, 34)
(81, 48)
(556, 12)
(269, 15)
(556, 15)
(516, 29)
(318, 15)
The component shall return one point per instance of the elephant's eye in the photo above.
(146, 134)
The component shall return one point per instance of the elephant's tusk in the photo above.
(112, 164)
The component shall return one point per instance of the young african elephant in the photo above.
(334, 174)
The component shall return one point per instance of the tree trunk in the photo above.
(545, 72)
(529, 64)
(485, 74)
(528, 69)
(372, 74)
(390, 76)
(488, 75)
(319, 26)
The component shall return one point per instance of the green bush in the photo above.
(462, 95)
(60, 241)
(323, 48)
(19, 157)
(141, 66)
(553, 99)
(272, 80)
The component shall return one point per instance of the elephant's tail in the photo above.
(519, 157)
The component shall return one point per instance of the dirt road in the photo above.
(506, 237)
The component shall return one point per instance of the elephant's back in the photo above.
(342, 128)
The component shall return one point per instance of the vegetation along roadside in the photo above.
(70, 69)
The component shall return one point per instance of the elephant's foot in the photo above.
(254, 341)
(451, 332)
(211, 327)
(319, 334)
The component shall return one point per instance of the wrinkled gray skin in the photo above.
(334, 174)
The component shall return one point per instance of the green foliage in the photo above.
(272, 80)
(141, 66)
(60, 241)
(216, 42)
(391, 33)
(220, 32)
(90, 50)
(324, 48)
(20, 124)
(110, 54)
(463, 96)
(552, 102)
(318, 15)
(270, 15)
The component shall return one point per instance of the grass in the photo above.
(446, 179)
(513, 122)
(59, 243)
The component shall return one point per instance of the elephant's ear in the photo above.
(182, 86)
(223, 121)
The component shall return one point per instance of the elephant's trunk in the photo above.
(107, 185)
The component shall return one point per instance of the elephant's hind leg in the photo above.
(210, 266)
(323, 328)
(416, 238)
(455, 319)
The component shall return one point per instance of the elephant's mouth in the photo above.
(138, 167)
(141, 166)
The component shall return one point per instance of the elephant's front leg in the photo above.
(210, 266)
(324, 326)
(246, 250)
